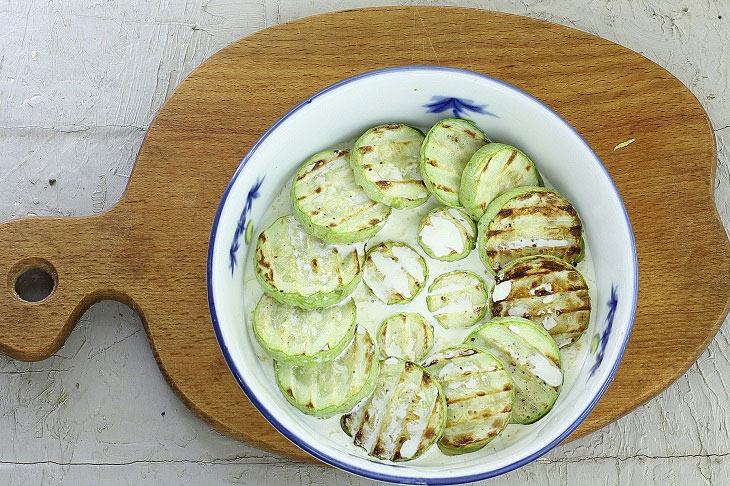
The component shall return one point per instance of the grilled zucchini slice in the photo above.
(404, 416)
(457, 299)
(300, 337)
(385, 163)
(547, 290)
(529, 221)
(394, 272)
(332, 387)
(532, 358)
(447, 234)
(447, 148)
(405, 335)
(493, 170)
(479, 397)
(330, 205)
(298, 269)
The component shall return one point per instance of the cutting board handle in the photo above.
(71, 258)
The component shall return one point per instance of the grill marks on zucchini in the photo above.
(457, 299)
(403, 417)
(529, 221)
(532, 358)
(479, 396)
(405, 335)
(447, 148)
(507, 371)
(298, 269)
(385, 162)
(329, 203)
(447, 234)
(394, 272)
(546, 290)
(331, 387)
(298, 336)
(493, 170)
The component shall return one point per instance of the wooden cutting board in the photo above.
(149, 251)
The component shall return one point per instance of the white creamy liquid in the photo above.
(402, 225)
(442, 236)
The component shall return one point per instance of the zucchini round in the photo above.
(447, 234)
(394, 272)
(458, 299)
(479, 397)
(532, 358)
(445, 151)
(385, 162)
(546, 290)
(405, 335)
(298, 269)
(404, 416)
(330, 205)
(493, 170)
(297, 336)
(529, 221)
(332, 387)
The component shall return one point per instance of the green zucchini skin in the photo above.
(529, 221)
(403, 417)
(329, 204)
(479, 397)
(332, 387)
(385, 163)
(298, 269)
(458, 299)
(405, 335)
(532, 358)
(548, 291)
(302, 337)
(394, 272)
(447, 234)
(493, 170)
(445, 151)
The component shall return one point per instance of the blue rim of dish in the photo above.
(364, 472)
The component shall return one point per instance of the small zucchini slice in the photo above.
(532, 358)
(300, 337)
(493, 170)
(385, 163)
(457, 299)
(405, 335)
(404, 416)
(529, 221)
(332, 387)
(330, 205)
(479, 397)
(546, 290)
(447, 234)
(298, 269)
(447, 148)
(394, 272)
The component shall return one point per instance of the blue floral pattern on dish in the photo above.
(600, 341)
(456, 105)
(241, 227)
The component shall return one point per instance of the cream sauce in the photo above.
(545, 370)
(403, 226)
(442, 236)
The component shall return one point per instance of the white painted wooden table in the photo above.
(79, 84)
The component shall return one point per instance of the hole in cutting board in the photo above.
(33, 281)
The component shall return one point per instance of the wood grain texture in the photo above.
(149, 251)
